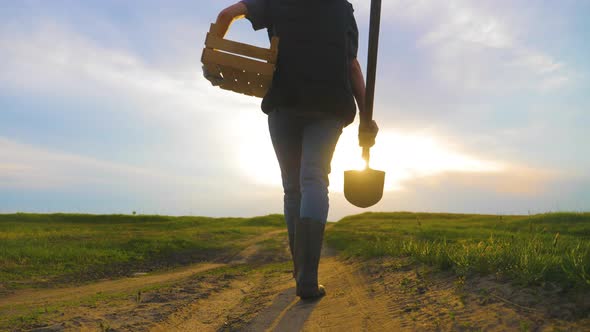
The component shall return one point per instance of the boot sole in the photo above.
(320, 292)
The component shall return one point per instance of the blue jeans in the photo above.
(304, 147)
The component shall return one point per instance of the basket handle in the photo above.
(237, 47)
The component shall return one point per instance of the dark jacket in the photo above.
(318, 41)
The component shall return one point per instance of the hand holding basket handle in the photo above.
(215, 79)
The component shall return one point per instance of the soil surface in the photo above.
(254, 291)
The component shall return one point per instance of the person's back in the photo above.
(308, 104)
(317, 44)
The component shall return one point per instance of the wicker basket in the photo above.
(245, 69)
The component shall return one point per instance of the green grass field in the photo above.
(535, 249)
(41, 250)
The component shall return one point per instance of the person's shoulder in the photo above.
(255, 3)
(350, 6)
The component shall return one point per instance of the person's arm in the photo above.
(358, 86)
(228, 15)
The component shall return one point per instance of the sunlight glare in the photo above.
(403, 156)
(256, 159)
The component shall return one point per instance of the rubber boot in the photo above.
(292, 251)
(308, 246)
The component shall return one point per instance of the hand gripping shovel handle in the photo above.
(372, 65)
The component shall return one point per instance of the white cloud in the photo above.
(474, 46)
(539, 63)
(73, 181)
(466, 25)
(25, 166)
(51, 59)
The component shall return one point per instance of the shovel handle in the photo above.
(372, 57)
(367, 155)
(374, 25)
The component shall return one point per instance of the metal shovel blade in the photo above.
(364, 188)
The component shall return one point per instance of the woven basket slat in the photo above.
(221, 44)
(243, 82)
(229, 81)
(260, 85)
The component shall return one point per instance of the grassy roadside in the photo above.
(527, 249)
(47, 249)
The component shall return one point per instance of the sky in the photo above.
(483, 107)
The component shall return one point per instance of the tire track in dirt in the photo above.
(35, 297)
(206, 315)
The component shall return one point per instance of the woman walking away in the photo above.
(312, 98)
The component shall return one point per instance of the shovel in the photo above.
(365, 188)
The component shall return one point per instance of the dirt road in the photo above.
(253, 291)
(390, 295)
(349, 306)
